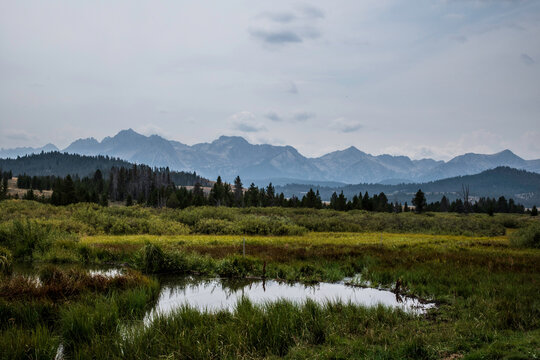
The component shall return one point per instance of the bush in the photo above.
(216, 226)
(528, 237)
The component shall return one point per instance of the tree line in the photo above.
(143, 185)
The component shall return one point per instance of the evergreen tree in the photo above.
(198, 195)
(172, 201)
(419, 201)
(406, 207)
(534, 211)
(129, 200)
(29, 195)
(238, 192)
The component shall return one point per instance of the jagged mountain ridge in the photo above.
(229, 156)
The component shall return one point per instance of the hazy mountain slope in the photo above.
(21, 151)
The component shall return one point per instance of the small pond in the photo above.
(223, 294)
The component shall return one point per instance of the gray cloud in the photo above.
(527, 60)
(292, 88)
(276, 37)
(312, 12)
(303, 116)
(461, 38)
(244, 127)
(244, 121)
(280, 17)
(345, 125)
(273, 116)
(17, 135)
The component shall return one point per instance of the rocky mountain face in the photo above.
(229, 156)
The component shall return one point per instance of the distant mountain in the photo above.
(129, 145)
(229, 156)
(21, 151)
(521, 185)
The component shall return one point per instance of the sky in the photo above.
(418, 78)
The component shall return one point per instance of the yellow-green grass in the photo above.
(387, 240)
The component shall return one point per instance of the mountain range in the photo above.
(229, 156)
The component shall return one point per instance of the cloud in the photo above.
(303, 116)
(292, 88)
(273, 116)
(527, 60)
(245, 121)
(345, 125)
(17, 135)
(280, 17)
(276, 37)
(461, 38)
(150, 129)
(288, 27)
(312, 12)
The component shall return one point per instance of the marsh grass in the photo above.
(484, 282)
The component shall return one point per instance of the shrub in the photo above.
(528, 237)
(216, 226)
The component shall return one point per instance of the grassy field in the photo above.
(484, 277)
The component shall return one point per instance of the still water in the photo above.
(221, 294)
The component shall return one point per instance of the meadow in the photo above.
(482, 271)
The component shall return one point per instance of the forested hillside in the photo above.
(62, 164)
(502, 181)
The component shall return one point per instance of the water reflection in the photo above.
(223, 294)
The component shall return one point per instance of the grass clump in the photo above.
(6, 261)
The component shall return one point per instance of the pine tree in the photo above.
(172, 201)
(419, 201)
(238, 192)
(534, 211)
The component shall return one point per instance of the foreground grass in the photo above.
(485, 286)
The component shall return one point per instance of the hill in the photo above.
(521, 185)
(62, 164)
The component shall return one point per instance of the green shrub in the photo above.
(216, 226)
(527, 237)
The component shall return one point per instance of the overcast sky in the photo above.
(419, 78)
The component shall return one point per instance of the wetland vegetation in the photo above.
(481, 271)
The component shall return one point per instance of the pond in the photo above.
(222, 294)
